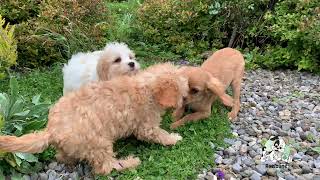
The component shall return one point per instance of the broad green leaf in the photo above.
(34, 125)
(11, 160)
(18, 126)
(21, 114)
(16, 107)
(27, 157)
(3, 98)
(36, 99)
(17, 159)
(37, 110)
(13, 87)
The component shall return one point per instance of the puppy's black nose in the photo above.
(131, 64)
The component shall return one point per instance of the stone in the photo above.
(306, 170)
(26, 177)
(52, 175)
(255, 176)
(227, 161)
(317, 163)
(286, 126)
(218, 159)
(34, 176)
(271, 172)
(74, 175)
(230, 151)
(248, 162)
(243, 149)
(296, 156)
(285, 114)
(210, 177)
(43, 176)
(52, 165)
(261, 168)
(236, 167)
(316, 177)
(229, 141)
(289, 177)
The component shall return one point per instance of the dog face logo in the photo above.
(275, 149)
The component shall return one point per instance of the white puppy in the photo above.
(115, 59)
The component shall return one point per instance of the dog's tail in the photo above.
(29, 143)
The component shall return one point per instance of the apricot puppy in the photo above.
(224, 68)
(84, 124)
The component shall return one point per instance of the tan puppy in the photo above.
(227, 67)
(84, 124)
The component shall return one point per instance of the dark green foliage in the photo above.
(52, 30)
(276, 34)
(17, 11)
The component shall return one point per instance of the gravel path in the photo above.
(280, 103)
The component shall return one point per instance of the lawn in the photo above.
(183, 161)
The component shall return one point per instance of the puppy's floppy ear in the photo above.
(166, 91)
(103, 69)
(217, 88)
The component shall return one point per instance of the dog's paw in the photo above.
(127, 163)
(173, 139)
(232, 116)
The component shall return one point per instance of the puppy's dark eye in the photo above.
(131, 57)
(117, 60)
(194, 91)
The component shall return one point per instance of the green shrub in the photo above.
(8, 47)
(18, 117)
(181, 26)
(62, 28)
(17, 11)
(294, 29)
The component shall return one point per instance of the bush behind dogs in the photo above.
(60, 29)
(276, 34)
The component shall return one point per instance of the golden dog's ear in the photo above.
(103, 69)
(166, 91)
(217, 88)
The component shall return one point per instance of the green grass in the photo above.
(182, 161)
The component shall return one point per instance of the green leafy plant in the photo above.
(19, 117)
(17, 11)
(60, 29)
(290, 34)
(8, 47)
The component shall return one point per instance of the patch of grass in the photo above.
(183, 161)
(45, 81)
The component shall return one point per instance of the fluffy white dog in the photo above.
(115, 59)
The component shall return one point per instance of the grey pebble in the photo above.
(317, 163)
(255, 176)
(218, 159)
(43, 176)
(236, 167)
(74, 176)
(34, 176)
(261, 169)
(289, 177)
